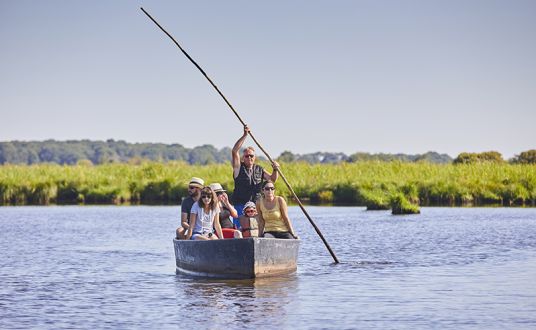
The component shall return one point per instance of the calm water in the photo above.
(113, 267)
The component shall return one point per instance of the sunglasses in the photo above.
(219, 193)
(250, 211)
(249, 156)
(192, 187)
(206, 196)
(269, 188)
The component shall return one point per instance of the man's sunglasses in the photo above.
(249, 156)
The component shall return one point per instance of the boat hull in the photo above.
(236, 258)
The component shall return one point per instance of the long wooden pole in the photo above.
(250, 134)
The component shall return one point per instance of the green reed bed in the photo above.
(151, 183)
(376, 185)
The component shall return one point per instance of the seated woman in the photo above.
(248, 221)
(227, 212)
(273, 215)
(204, 217)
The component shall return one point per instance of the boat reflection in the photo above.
(223, 301)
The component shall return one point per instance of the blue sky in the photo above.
(336, 76)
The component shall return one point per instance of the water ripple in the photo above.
(113, 267)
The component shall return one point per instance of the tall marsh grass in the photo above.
(371, 184)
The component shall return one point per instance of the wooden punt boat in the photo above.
(236, 258)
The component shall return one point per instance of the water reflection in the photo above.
(223, 302)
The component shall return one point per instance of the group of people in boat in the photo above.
(253, 211)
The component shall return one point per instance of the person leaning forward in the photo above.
(194, 192)
(248, 176)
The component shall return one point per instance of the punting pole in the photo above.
(250, 134)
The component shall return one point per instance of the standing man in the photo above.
(194, 192)
(248, 176)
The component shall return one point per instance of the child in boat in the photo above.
(204, 217)
(248, 221)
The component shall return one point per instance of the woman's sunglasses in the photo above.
(269, 188)
(206, 196)
(250, 211)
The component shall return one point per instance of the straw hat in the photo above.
(197, 182)
(216, 187)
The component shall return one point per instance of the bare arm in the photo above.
(217, 225)
(260, 220)
(184, 220)
(284, 214)
(225, 200)
(235, 153)
(275, 173)
(193, 218)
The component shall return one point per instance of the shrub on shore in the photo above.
(401, 205)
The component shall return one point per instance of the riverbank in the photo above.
(371, 184)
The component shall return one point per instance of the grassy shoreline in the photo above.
(376, 185)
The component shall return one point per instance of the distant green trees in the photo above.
(111, 151)
(526, 157)
(286, 157)
(104, 152)
(472, 158)
(431, 156)
(334, 158)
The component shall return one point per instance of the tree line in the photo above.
(525, 157)
(103, 152)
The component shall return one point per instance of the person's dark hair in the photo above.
(267, 182)
(264, 185)
(213, 201)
